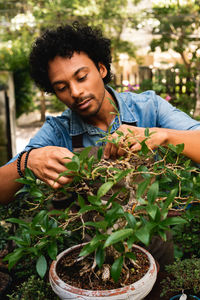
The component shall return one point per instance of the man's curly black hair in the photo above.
(64, 41)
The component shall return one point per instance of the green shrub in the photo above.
(186, 236)
(184, 275)
(33, 289)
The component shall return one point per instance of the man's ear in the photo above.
(102, 70)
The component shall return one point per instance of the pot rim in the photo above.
(179, 295)
(55, 279)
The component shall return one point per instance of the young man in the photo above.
(74, 63)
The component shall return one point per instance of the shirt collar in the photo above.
(126, 115)
(78, 126)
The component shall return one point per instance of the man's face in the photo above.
(78, 83)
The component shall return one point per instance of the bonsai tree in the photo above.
(115, 203)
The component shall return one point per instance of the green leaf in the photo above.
(143, 234)
(130, 255)
(144, 149)
(36, 193)
(146, 132)
(19, 241)
(120, 175)
(41, 266)
(29, 174)
(81, 201)
(152, 210)
(39, 217)
(153, 192)
(87, 208)
(100, 256)
(130, 219)
(55, 231)
(172, 147)
(17, 221)
(72, 166)
(93, 199)
(169, 199)
(113, 104)
(118, 236)
(119, 247)
(84, 154)
(177, 149)
(14, 257)
(116, 268)
(100, 225)
(52, 250)
(142, 187)
(104, 188)
(114, 212)
(174, 221)
(131, 240)
(24, 189)
(99, 153)
(91, 247)
(23, 181)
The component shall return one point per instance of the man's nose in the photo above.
(75, 90)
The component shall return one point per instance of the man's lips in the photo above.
(84, 103)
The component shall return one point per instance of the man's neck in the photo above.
(106, 114)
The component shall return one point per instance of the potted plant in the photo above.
(183, 275)
(119, 204)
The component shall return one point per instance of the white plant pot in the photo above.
(136, 291)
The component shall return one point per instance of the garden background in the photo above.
(155, 45)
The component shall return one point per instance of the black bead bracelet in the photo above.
(26, 157)
(19, 164)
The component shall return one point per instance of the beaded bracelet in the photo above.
(26, 158)
(19, 164)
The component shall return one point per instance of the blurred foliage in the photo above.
(15, 59)
(177, 28)
(186, 237)
(34, 288)
(112, 16)
(183, 275)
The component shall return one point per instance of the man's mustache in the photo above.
(79, 100)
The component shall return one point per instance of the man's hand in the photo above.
(48, 162)
(131, 138)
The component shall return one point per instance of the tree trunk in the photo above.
(42, 107)
(197, 107)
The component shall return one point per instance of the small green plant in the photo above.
(33, 289)
(36, 239)
(186, 236)
(183, 275)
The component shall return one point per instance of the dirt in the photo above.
(92, 280)
(4, 281)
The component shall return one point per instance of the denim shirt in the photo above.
(146, 109)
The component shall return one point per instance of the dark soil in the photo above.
(92, 280)
(5, 281)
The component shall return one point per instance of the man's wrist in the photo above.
(20, 163)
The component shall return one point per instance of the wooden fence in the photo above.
(169, 81)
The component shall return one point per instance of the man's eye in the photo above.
(61, 89)
(82, 78)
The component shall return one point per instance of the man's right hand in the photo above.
(48, 162)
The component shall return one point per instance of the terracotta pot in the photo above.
(136, 291)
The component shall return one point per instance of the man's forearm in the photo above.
(191, 140)
(8, 185)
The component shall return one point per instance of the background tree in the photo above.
(23, 21)
(178, 28)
